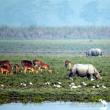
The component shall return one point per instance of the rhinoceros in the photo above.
(94, 52)
(82, 70)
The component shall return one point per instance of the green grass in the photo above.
(53, 46)
(12, 89)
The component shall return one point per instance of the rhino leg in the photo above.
(88, 76)
(91, 77)
(71, 73)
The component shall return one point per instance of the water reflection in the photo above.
(103, 108)
(54, 106)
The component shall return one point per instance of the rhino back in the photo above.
(82, 69)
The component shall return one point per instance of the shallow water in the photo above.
(54, 106)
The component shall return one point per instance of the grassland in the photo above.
(52, 47)
(39, 91)
(54, 52)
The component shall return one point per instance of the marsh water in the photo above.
(54, 106)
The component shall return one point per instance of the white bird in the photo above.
(31, 83)
(2, 85)
(93, 86)
(97, 86)
(47, 83)
(79, 86)
(103, 102)
(104, 86)
(83, 83)
(21, 84)
(58, 86)
(72, 84)
(59, 83)
(24, 84)
(71, 78)
(74, 87)
(92, 79)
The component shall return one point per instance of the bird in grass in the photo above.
(104, 86)
(59, 83)
(79, 86)
(93, 86)
(31, 83)
(24, 84)
(47, 83)
(92, 79)
(72, 84)
(97, 86)
(57, 86)
(103, 102)
(2, 85)
(84, 84)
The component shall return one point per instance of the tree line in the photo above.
(32, 33)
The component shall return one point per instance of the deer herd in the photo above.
(26, 66)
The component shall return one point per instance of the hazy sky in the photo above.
(55, 12)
